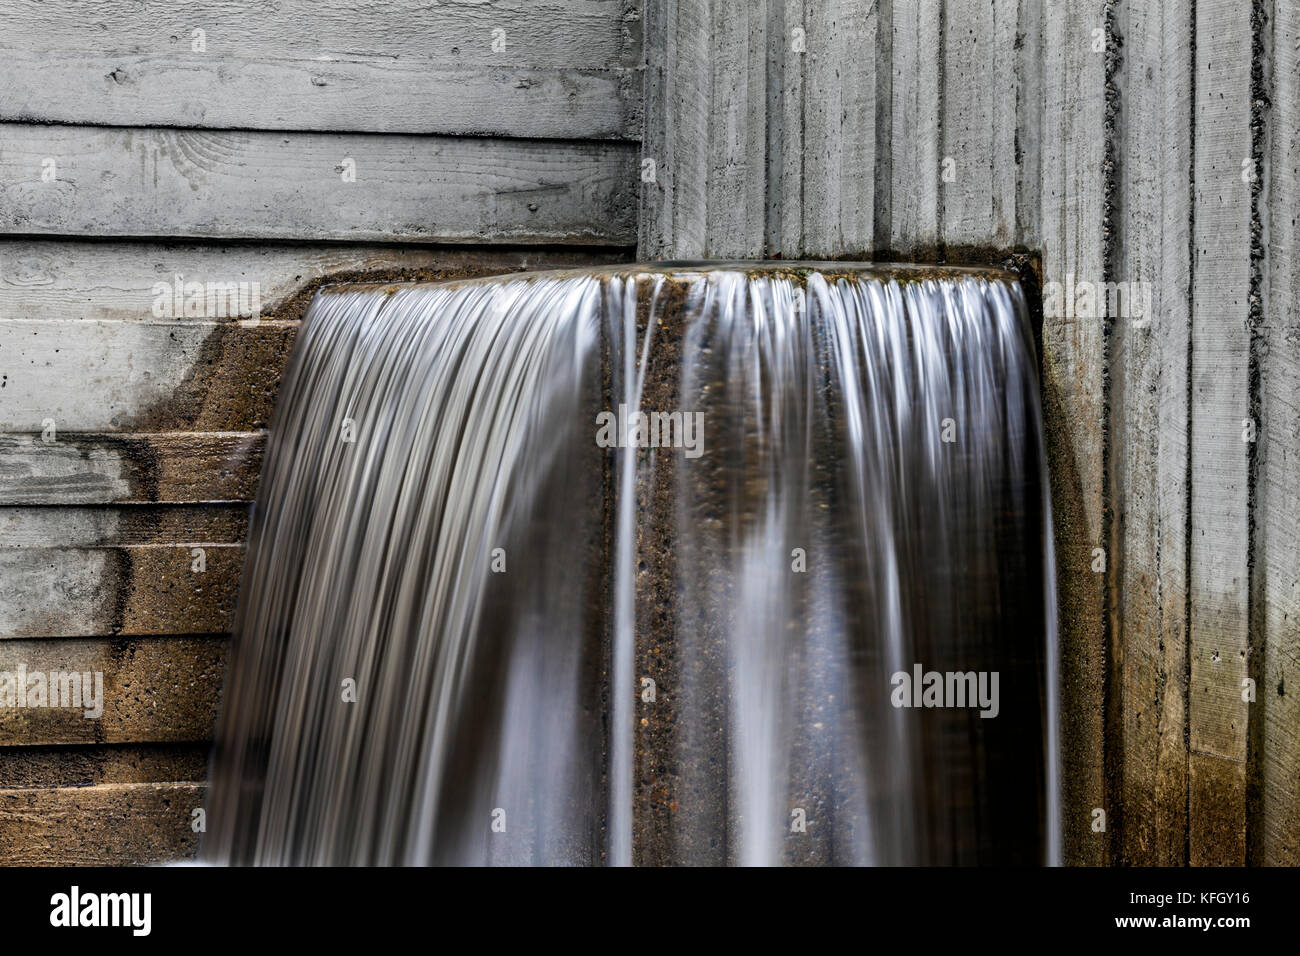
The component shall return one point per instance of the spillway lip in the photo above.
(686, 268)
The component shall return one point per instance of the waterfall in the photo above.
(682, 563)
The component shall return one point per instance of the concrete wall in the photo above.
(1109, 140)
(1118, 141)
(131, 154)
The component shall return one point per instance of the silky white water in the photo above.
(473, 630)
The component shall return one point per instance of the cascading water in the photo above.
(678, 563)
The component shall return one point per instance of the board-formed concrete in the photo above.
(175, 181)
(1146, 153)
(1122, 144)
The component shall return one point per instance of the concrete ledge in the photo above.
(110, 825)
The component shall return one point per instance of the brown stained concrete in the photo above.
(105, 825)
(659, 827)
(163, 594)
(155, 690)
(1080, 609)
(135, 590)
(1217, 802)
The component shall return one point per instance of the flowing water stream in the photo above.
(678, 563)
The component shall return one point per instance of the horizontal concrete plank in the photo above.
(72, 279)
(114, 181)
(98, 527)
(392, 96)
(139, 376)
(533, 32)
(154, 690)
(139, 589)
(83, 469)
(108, 825)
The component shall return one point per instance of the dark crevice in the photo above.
(1112, 683)
(1261, 67)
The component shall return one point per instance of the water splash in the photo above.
(455, 597)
